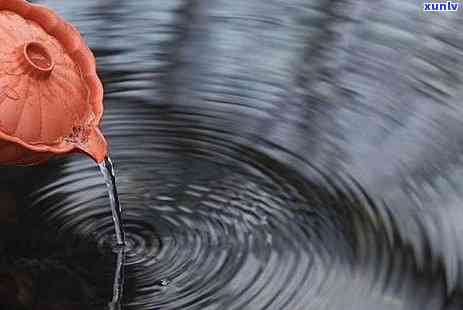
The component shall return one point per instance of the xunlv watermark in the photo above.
(441, 6)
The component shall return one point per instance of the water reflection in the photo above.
(39, 270)
(271, 155)
(118, 286)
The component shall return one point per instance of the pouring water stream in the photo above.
(107, 169)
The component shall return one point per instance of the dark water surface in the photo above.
(296, 155)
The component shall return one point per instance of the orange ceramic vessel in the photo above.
(51, 99)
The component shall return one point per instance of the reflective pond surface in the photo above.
(289, 154)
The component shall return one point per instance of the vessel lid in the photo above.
(50, 94)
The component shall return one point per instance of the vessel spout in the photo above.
(95, 146)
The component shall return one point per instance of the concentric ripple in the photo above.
(211, 224)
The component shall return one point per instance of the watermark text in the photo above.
(448, 6)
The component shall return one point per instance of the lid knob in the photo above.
(38, 58)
